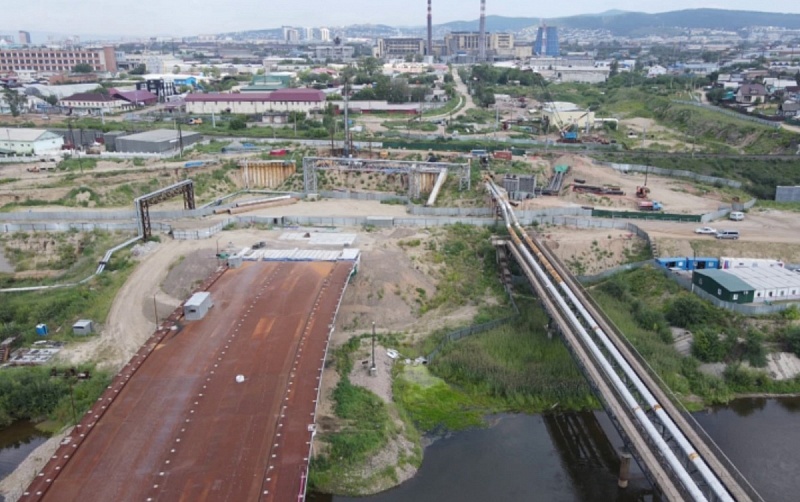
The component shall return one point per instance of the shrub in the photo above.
(687, 311)
(237, 124)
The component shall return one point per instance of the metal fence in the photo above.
(468, 331)
(355, 195)
(769, 123)
(671, 173)
(19, 160)
(722, 213)
(646, 215)
(605, 274)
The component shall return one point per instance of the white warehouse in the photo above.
(15, 141)
(770, 283)
(282, 100)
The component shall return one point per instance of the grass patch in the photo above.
(467, 268)
(59, 308)
(517, 366)
(365, 430)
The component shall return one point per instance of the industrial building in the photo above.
(156, 141)
(749, 284)
(24, 141)
(334, 52)
(497, 44)
(770, 283)
(282, 100)
(723, 285)
(399, 48)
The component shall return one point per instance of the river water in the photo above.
(572, 457)
(558, 456)
(16, 442)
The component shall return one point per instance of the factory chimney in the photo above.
(482, 38)
(430, 31)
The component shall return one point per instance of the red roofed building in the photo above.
(282, 100)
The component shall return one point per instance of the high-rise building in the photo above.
(546, 43)
(325, 34)
(291, 35)
(24, 38)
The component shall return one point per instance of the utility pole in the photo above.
(373, 368)
(155, 309)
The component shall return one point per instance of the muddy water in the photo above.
(569, 457)
(762, 438)
(555, 457)
(16, 442)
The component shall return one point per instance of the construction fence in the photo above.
(468, 331)
(646, 215)
(671, 173)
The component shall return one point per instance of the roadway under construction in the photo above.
(217, 409)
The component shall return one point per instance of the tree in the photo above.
(82, 68)
(614, 69)
(139, 70)
(16, 101)
(369, 65)
(687, 311)
(51, 99)
(237, 124)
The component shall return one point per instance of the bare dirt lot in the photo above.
(677, 196)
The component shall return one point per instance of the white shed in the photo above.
(83, 327)
(197, 306)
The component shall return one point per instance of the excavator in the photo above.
(642, 192)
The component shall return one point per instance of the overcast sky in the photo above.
(192, 17)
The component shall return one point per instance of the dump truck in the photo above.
(650, 205)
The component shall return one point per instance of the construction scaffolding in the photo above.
(418, 177)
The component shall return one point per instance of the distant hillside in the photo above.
(618, 22)
(493, 24)
(634, 23)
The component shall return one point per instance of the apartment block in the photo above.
(57, 60)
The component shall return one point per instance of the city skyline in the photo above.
(206, 16)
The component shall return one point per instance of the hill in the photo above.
(623, 23)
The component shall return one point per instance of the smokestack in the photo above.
(482, 38)
(430, 31)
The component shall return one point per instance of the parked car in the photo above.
(728, 234)
(705, 230)
(736, 216)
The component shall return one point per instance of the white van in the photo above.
(736, 216)
(728, 234)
